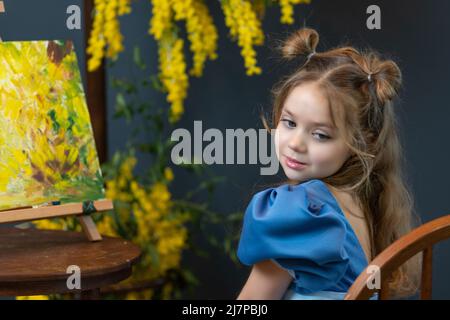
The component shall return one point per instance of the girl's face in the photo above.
(307, 143)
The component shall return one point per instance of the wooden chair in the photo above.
(421, 239)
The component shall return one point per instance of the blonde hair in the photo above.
(363, 112)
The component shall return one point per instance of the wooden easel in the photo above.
(81, 210)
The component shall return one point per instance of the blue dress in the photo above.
(303, 229)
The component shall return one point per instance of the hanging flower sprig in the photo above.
(161, 20)
(106, 40)
(287, 10)
(202, 35)
(244, 26)
(242, 17)
(201, 32)
(173, 74)
(172, 65)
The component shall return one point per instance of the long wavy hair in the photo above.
(360, 87)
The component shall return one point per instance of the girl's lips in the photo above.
(294, 164)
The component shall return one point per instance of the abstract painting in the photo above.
(47, 147)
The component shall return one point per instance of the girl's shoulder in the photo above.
(311, 195)
(301, 228)
(290, 216)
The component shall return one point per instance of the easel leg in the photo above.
(89, 228)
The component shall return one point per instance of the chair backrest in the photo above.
(421, 239)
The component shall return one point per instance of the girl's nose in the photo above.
(297, 143)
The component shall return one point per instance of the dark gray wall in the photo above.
(414, 33)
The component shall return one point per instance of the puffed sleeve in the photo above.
(300, 233)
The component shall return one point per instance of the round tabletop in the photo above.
(35, 262)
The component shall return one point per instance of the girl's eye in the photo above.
(321, 136)
(288, 123)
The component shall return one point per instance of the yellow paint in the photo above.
(47, 148)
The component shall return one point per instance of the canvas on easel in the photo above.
(48, 161)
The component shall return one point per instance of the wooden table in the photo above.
(35, 262)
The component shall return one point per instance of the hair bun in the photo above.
(387, 77)
(390, 80)
(300, 42)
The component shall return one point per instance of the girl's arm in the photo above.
(267, 281)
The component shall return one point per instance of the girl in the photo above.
(345, 200)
